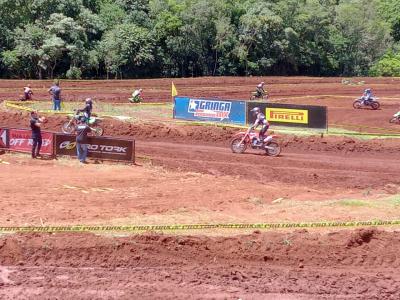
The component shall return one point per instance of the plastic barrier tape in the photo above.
(135, 228)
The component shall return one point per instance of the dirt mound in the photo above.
(161, 266)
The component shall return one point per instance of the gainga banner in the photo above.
(3, 138)
(99, 147)
(310, 116)
(210, 110)
(20, 140)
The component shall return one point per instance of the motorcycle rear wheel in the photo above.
(375, 105)
(68, 128)
(238, 147)
(274, 149)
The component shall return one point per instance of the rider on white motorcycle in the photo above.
(367, 96)
(260, 121)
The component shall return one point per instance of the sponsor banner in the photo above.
(210, 110)
(98, 147)
(3, 138)
(310, 116)
(21, 140)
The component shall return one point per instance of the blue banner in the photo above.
(210, 110)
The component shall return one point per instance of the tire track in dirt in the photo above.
(348, 264)
(311, 168)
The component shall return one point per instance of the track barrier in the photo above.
(177, 227)
(57, 144)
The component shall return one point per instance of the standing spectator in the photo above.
(82, 131)
(55, 92)
(35, 124)
(27, 93)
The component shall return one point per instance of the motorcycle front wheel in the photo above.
(273, 149)
(98, 131)
(357, 104)
(68, 128)
(238, 147)
(394, 120)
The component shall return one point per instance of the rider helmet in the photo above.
(255, 111)
(367, 91)
(88, 101)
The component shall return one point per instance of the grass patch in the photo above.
(255, 201)
(353, 203)
(395, 200)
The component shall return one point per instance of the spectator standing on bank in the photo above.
(82, 131)
(55, 92)
(35, 125)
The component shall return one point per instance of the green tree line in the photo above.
(173, 38)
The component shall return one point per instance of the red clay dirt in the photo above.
(313, 161)
(330, 92)
(297, 265)
(187, 174)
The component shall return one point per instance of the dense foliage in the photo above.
(153, 38)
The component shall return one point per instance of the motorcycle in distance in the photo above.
(395, 119)
(258, 96)
(373, 103)
(242, 140)
(70, 126)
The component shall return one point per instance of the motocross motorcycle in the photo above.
(259, 96)
(242, 140)
(395, 119)
(69, 127)
(373, 103)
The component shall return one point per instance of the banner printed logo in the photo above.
(210, 108)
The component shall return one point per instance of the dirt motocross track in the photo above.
(336, 93)
(187, 174)
(298, 265)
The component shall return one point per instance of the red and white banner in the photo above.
(3, 138)
(21, 140)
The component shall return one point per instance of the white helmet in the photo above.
(255, 110)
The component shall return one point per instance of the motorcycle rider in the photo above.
(136, 96)
(87, 110)
(367, 96)
(260, 121)
(260, 92)
(27, 93)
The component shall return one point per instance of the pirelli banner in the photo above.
(310, 116)
(98, 147)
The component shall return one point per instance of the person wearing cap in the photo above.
(35, 124)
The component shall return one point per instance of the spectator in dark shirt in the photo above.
(35, 124)
(82, 131)
(55, 92)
